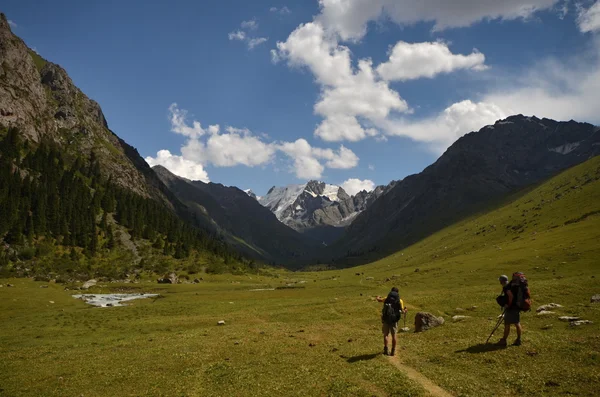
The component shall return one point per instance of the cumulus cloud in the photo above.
(409, 61)
(589, 19)
(239, 146)
(179, 125)
(353, 185)
(179, 166)
(347, 95)
(442, 130)
(307, 164)
(349, 18)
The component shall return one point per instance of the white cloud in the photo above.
(242, 35)
(347, 95)
(442, 130)
(306, 158)
(409, 61)
(353, 186)
(256, 41)
(179, 125)
(371, 167)
(235, 147)
(12, 24)
(239, 146)
(349, 18)
(237, 35)
(179, 166)
(589, 20)
(281, 11)
(250, 25)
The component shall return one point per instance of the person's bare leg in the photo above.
(519, 330)
(506, 331)
(393, 344)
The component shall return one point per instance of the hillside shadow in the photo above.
(481, 348)
(363, 357)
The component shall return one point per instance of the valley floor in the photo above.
(320, 334)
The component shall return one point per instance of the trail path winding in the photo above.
(421, 379)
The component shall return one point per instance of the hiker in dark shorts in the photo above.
(390, 326)
(512, 313)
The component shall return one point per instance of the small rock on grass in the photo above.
(548, 307)
(580, 322)
(405, 329)
(545, 312)
(547, 327)
(595, 299)
(568, 318)
(221, 322)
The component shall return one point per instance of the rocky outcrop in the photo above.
(39, 98)
(425, 321)
(318, 209)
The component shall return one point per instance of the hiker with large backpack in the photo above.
(518, 299)
(393, 307)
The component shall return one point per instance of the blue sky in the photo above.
(356, 95)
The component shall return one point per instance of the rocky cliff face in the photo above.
(40, 99)
(478, 168)
(317, 208)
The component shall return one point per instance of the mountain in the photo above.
(69, 183)
(250, 193)
(318, 209)
(244, 223)
(478, 169)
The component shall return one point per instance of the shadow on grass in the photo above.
(363, 357)
(481, 348)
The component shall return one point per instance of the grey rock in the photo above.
(546, 313)
(404, 329)
(425, 321)
(549, 306)
(580, 322)
(221, 322)
(89, 283)
(569, 318)
(595, 299)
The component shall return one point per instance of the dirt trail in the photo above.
(421, 379)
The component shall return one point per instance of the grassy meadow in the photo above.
(319, 335)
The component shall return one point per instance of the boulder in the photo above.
(425, 321)
(595, 299)
(88, 284)
(460, 318)
(169, 279)
(549, 306)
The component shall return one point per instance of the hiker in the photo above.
(393, 307)
(517, 299)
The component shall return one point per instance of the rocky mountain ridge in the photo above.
(318, 209)
(479, 168)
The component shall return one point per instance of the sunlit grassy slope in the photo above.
(322, 337)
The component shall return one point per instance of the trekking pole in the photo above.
(497, 325)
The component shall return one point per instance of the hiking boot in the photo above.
(517, 342)
(385, 351)
(392, 352)
(501, 342)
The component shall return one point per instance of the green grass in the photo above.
(38, 60)
(172, 346)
